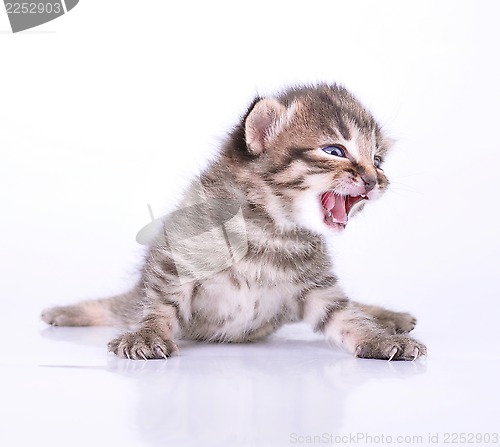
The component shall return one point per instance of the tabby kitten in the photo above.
(245, 251)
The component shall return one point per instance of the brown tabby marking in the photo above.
(246, 251)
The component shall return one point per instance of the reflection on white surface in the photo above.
(272, 393)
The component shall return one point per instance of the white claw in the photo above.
(128, 356)
(160, 351)
(416, 353)
(358, 351)
(142, 355)
(393, 352)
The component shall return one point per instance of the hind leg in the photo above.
(85, 313)
(393, 322)
(119, 310)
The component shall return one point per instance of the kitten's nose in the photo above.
(370, 181)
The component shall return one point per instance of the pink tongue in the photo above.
(336, 206)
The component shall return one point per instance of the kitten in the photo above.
(245, 251)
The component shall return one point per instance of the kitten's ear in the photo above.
(386, 144)
(263, 123)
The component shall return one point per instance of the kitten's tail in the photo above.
(120, 310)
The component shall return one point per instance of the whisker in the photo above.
(411, 174)
(404, 193)
(399, 186)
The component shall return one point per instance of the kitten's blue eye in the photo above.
(377, 161)
(335, 150)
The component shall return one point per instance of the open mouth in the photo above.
(336, 208)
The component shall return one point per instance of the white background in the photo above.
(116, 104)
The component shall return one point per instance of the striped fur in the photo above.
(245, 252)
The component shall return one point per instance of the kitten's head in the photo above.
(319, 151)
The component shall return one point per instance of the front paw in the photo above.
(142, 345)
(390, 347)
